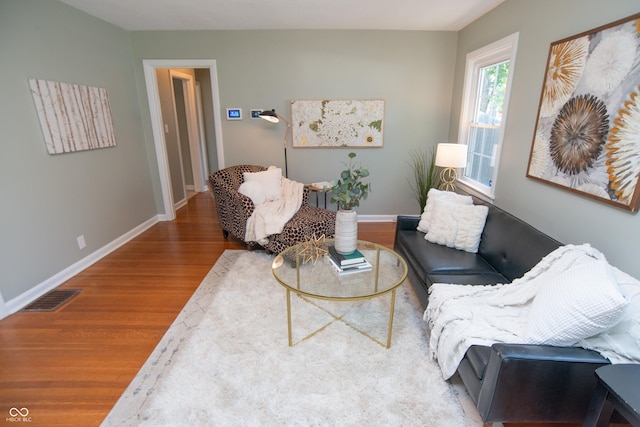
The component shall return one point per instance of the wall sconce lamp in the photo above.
(273, 117)
(450, 157)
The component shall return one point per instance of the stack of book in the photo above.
(348, 264)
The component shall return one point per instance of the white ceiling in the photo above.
(433, 15)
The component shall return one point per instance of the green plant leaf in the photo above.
(349, 189)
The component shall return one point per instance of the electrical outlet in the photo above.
(81, 243)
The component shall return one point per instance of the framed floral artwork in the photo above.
(587, 134)
(337, 123)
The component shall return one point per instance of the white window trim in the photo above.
(501, 50)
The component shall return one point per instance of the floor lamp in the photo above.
(273, 117)
(450, 157)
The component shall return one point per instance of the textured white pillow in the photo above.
(271, 181)
(457, 226)
(253, 190)
(621, 343)
(433, 197)
(578, 303)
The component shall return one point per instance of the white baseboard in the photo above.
(181, 203)
(377, 218)
(56, 280)
(53, 282)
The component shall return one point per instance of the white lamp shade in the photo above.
(451, 155)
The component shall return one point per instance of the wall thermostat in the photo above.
(255, 114)
(234, 113)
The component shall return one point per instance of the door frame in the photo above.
(187, 81)
(150, 66)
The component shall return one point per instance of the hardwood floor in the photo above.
(69, 367)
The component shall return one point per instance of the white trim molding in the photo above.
(153, 96)
(377, 218)
(56, 280)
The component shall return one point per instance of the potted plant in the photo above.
(425, 175)
(347, 193)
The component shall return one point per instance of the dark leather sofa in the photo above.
(507, 382)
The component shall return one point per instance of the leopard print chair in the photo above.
(234, 209)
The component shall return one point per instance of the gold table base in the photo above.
(340, 319)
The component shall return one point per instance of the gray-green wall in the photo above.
(47, 201)
(569, 217)
(50, 200)
(412, 71)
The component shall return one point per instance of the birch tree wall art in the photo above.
(73, 117)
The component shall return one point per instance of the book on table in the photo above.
(350, 269)
(349, 259)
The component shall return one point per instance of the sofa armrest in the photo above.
(305, 196)
(527, 383)
(548, 353)
(234, 209)
(407, 222)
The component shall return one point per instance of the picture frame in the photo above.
(73, 117)
(586, 133)
(339, 123)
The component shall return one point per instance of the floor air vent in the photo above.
(52, 300)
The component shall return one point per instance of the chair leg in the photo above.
(225, 234)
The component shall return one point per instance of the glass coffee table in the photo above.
(299, 271)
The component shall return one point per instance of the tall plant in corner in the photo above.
(425, 175)
(347, 193)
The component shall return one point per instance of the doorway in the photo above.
(197, 148)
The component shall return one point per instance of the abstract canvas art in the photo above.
(73, 117)
(337, 123)
(587, 135)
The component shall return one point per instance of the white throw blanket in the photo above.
(464, 315)
(270, 217)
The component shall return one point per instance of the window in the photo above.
(484, 106)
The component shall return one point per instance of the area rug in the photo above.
(226, 361)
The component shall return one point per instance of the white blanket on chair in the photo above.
(270, 217)
(460, 316)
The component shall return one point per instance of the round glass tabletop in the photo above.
(306, 270)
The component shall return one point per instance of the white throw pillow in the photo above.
(433, 197)
(621, 343)
(271, 181)
(578, 303)
(253, 190)
(457, 226)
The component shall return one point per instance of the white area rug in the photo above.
(225, 361)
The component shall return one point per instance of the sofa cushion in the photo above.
(576, 304)
(457, 226)
(271, 181)
(428, 258)
(253, 190)
(434, 197)
(512, 246)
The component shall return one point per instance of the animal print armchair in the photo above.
(234, 209)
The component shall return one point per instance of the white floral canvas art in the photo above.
(587, 136)
(337, 123)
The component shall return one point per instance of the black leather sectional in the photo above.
(508, 382)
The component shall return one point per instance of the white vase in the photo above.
(346, 237)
